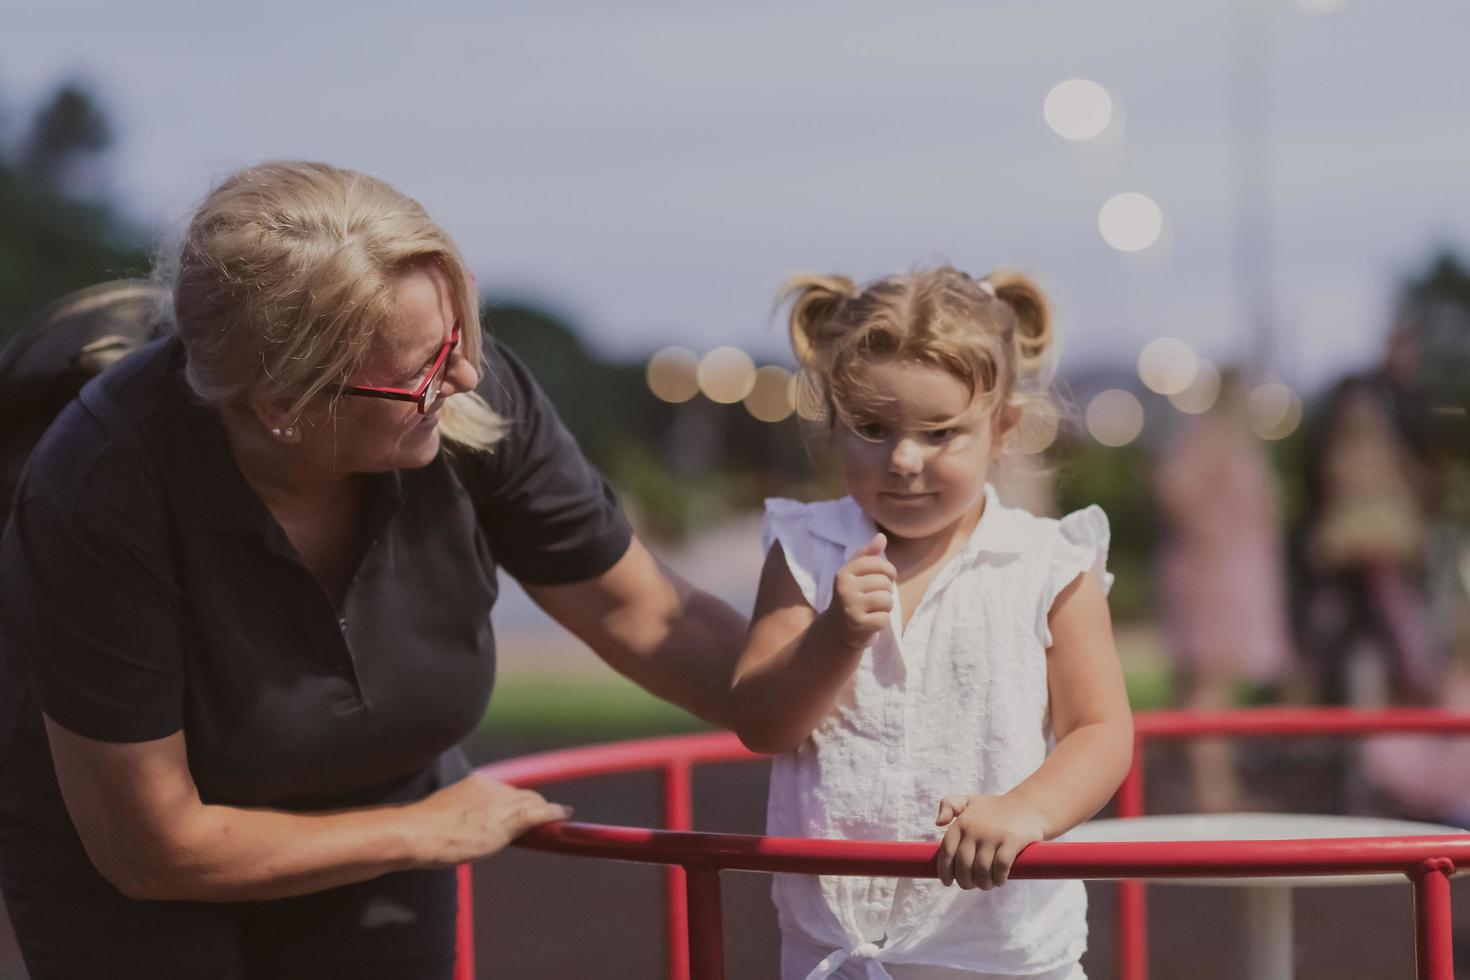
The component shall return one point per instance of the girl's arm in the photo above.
(795, 661)
(1094, 730)
(146, 830)
(1089, 712)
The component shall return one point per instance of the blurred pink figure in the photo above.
(1221, 578)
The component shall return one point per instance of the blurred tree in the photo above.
(67, 136)
(59, 233)
(1114, 479)
(1434, 309)
(598, 400)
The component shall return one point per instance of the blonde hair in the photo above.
(285, 278)
(993, 334)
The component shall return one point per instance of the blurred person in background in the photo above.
(246, 594)
(1221, 575)
(1365, 540)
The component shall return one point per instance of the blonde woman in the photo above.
(247, 590)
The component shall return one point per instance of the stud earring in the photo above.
(284, 433)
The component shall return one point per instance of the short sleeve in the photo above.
(88, 611)
(786, 521)
(549, 515)
(1081, 544)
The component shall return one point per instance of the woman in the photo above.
(1221, 575)
(247, 587)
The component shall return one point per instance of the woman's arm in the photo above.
(795, 661)
(145, 829)
(653, 627)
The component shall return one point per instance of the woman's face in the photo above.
(373, 435)
(912, 478)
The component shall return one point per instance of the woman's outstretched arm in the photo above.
(650, 625)
(146, 830)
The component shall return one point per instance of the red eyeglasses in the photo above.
(426, 393)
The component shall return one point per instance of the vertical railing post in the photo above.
(1132, 900)
(464, 925)
(1434, 953)
(706, 923)
(678, 815)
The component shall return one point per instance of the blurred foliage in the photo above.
(1116, 479)
(1435, 308)
(59, 232)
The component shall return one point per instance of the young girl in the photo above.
(917, 647)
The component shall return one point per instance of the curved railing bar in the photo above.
(1052, 859)
(695, 947)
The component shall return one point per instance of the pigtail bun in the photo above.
(1033, 318)
(816, 301)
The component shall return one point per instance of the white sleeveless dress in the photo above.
(956, 705)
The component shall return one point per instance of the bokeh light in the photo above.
(1037, 430)
(1167, 365)
(1115, 417)
(773, 397)
(672, 374)
(1078, 109)
(1130, 222)
(1275, 410)
(1202, 392)
(726, 375)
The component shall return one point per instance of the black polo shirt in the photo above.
(145, 589)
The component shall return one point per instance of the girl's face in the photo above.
(913, 479)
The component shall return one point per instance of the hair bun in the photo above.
(817, 300)
(1033, 317)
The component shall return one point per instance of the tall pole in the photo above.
(1254, 261)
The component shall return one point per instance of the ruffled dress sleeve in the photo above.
(788, 521)
(1081, 544)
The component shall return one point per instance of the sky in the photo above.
(653, 170)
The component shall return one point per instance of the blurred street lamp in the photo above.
(1037, 430)
(773, 396)
(726, 375)
(1114, 417)
(1078, 109)
(1167, 365)
(1130, 222)
(1202, 392)
(671, 374)
(1275, 410)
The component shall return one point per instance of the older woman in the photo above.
(247, 588)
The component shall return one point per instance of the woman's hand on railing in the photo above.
(985, 834)
(474, 818)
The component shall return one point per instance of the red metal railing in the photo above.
(695, 860)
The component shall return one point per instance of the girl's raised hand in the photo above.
(985, 834)
(862, 595)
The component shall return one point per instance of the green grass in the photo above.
(555, 710)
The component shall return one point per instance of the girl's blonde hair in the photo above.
(285, 278)
(995, 334)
